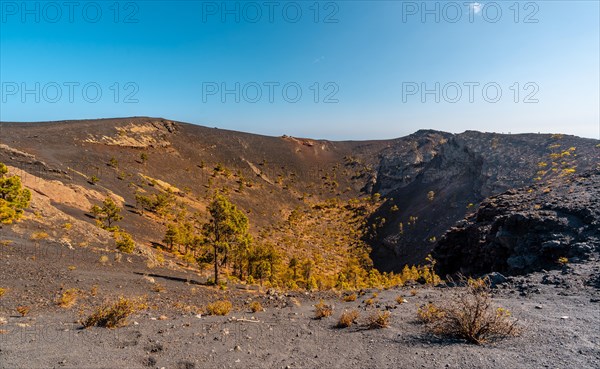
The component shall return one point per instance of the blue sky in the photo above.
(361, 66)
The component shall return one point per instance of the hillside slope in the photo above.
(427, 181)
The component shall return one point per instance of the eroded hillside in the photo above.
(421, 184)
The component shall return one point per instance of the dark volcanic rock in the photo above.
(433, 179)
(525, 230)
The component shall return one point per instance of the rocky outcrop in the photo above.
(525, 230)
(433, 179)
(153, 133)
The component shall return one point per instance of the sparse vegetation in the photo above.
(347, 319)
(256, 307)
(23, 310)
(115, 314)
(113, 162)
(471, 316)
(429, 313)
(160, 203)
(36, 236)
(158, 288)
(68, 298)
(350, 297)
(221, 308)
(379, 319)
(323, 310)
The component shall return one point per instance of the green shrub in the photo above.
(124, 242)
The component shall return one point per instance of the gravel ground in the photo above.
(558, 311)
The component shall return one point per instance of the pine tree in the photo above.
(13, 198)
(108, 214)
(227, 228)
(170, 236)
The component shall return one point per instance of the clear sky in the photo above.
(328, 69)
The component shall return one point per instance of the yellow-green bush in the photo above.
(221, 307)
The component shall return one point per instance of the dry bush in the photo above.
(472, 316)
(350, 297)
(369, 302)
(103, 259)
(255, 307)
(158, 288)
(94, 290)
(323, 310)
(429, 313)
(413, 292)
(23, 310)
(400, 300)
(39, 236)
(112, 315)
(379, 319)
(2, 291)
(347, 319)
(222, 307)
(68, 298)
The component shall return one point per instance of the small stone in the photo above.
(564, 317)
(162, 317)
(237, 348)
(538, 306)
